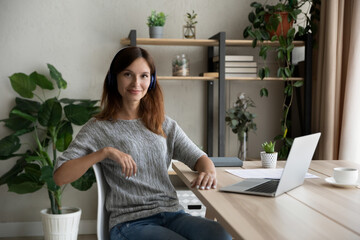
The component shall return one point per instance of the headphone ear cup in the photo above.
(108, 80)
(152, 82)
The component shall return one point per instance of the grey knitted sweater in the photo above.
(150, 191)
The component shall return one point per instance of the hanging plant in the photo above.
(268, 24)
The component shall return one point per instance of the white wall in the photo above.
(80, 38)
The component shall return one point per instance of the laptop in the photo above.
(293, 175)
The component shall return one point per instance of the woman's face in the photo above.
(133, 82)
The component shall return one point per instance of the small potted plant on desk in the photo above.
(49, 124)
(268, 156)
(156, 22)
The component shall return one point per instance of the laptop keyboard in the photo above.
(266, 187)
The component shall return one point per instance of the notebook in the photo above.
(293, 175)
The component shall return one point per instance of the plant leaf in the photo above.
(56, 75)
(41, 81)
(64, 137)
(23, 85)
(77, 114)
(15, 170)
(264, 92)
(298, 83)
(263, 51)
(23, 115)
(27, 106)
(251, 17)
(82, 102)
(86, 181)
(287, 72)
(16, 123)
(234, 122)
(254, 42)
(50, 113)
(24, 183)
(47, 177)
(9, 145)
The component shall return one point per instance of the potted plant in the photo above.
(156, 22)
(275, 23)
(268, 156)
(48, 122)
(189, 29)
(241, 121)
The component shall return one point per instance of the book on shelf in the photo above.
(240, 64)
(241, 70)
(234, 58)
(216, 74)
(249, 75)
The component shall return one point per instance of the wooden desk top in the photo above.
(315, 210)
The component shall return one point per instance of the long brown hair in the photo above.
(151, 105)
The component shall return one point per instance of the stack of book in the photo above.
(238, 65)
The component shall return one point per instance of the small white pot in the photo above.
(268, 160)
(63, 226)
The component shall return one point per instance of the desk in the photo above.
(315, 210)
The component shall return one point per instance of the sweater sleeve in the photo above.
(182, 148)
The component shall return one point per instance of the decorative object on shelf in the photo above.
(156, 22)
(189, 30)
(268, 156)
(49, 121)
(181, 66)
(269, 24)
(241, 121)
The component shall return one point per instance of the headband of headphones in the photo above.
(111, 79)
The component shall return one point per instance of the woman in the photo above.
(135, 142)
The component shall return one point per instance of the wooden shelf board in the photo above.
(199, 42)
(186, 78)
(248, 43)
(265, 79)
(228, 79)
(172, 41)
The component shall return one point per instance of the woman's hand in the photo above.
(126, 162)
(207, 174)
(205, 180)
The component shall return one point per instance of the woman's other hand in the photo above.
(126, 162)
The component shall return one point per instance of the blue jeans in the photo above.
(169, 225)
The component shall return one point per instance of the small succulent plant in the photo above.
(269, 147)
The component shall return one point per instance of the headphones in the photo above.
(110, 79)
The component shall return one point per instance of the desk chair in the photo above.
(102, 214)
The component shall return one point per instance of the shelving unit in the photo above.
(219, 41)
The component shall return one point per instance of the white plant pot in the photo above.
(268, 160)
(63, 226)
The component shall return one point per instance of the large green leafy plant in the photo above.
(48, 122)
